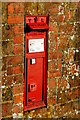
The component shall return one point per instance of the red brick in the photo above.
(18, 89)
(72, 17)
(76, 105)
(52, 100)
(11, 60)
(19, 39)
(72, 70)
(16, 109)
(51, 65)
(63, 43)
(17, 69)
(60, 18)
(52, 83)
(18, 29)
(18, 49)
(53, 91)
(4, 63)
(75, 116)
(71, 81)
(53, 27)
(56, 55)
(21, 98)
(64, 72)
(59, 65)
(76, 81)
(61, 110)
(63, 38)
(62, 84)
(15, 19)
(66, 15)
(56, 18)
(19, 8)
(6, 109)
(50, 54)
(79, 105)
(73, 94)
(53, 18)
(55, 73)
(53, 37)
(53, 42)
(10, 80)
(18, 98)
(10, 70)
(7, 32)
(73, 4)
(61, 97)
(66, 28)
(10, 8)
(53, 45)
(62, 28)
(49, 75)
(54, 10)
(15, 60)
(77, 55)
(18, 79)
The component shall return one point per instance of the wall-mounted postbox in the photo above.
(36, 55)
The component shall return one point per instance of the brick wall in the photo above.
(63, 97)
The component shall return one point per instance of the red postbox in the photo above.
(36, 56)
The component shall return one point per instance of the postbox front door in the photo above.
(35, 77)
(35, 84)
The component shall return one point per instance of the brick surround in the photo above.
(63, 88)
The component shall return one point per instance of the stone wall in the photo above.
(63, 93)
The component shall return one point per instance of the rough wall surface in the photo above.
(63, 88)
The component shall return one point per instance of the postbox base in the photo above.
(35, 105)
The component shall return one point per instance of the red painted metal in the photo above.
(35, 78)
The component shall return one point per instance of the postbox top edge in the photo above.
(37, 16)
(36, 19)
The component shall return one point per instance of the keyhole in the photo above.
(29, 20)
(35, 20)
(31, 86)
(29, 100)
(42, 20)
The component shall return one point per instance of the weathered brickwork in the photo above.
(63, 88)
